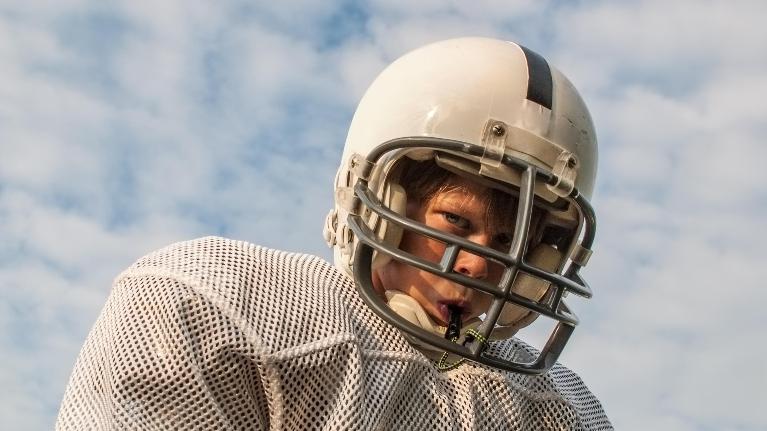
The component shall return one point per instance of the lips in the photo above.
(444, 307)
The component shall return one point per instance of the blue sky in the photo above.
(128, 125)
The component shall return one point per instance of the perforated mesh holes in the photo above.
(223, 335)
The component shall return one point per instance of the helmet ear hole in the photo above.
(395, 198)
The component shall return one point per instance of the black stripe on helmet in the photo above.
(539, 84)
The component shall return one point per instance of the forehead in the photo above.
(476, 200)
(460, 190)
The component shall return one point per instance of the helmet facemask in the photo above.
(534, 281)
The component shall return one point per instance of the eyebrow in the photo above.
(499, 224)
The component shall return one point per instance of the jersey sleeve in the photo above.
(164, 355)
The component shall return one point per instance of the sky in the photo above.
(129, 125)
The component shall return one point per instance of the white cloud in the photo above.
(187, 118)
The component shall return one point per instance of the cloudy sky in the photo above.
(128, 125)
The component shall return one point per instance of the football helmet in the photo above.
(498, 113)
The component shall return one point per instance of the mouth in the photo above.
(452, 310)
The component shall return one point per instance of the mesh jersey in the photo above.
(221, 334)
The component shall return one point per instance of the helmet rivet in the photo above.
(498, 130)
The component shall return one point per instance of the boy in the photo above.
(460, 212)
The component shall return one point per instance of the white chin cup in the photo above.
(411, 310)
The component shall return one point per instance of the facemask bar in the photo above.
(473, 347)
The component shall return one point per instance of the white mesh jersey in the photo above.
(224, 335)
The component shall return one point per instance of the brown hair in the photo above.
(423, 180)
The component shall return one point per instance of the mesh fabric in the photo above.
(226, 335)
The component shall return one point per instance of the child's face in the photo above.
(461, 209)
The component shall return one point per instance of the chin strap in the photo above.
(409, 309)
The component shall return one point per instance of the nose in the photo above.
(471, 265)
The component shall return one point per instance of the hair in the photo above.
(424, 180)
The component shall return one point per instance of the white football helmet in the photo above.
(499, 113)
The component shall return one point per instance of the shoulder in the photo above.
(220, 263)
(559, 386)
(282, 299)
(201, 255)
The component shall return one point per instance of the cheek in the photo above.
(394, 276)
(494, 271)
(481, 302)
(422, 247)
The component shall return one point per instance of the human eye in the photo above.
(504, 239)
(456, 220)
